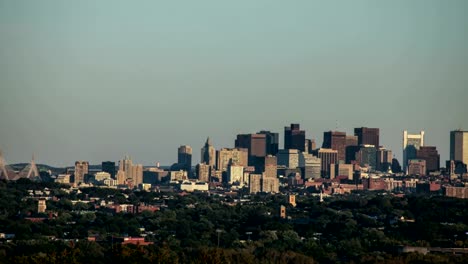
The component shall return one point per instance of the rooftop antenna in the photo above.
(336, 129)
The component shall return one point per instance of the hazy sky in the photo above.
(96, 80)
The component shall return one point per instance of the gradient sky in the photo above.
(96, 80)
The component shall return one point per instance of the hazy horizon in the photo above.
(98, 80)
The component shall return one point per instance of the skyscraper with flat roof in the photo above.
(335, 140)
(184, 158)
(81, 168)
(226, 156)
(272, 140)
(384, 159)
(328, 158)
(294, 137)
(368, 136)
(109, 167)
(411, 143)
(431, 156)
(459, 146)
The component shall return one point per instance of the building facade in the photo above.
(459, 146)
(368, 136)
(294, 137)
(226, 156)
(335, 140)
(431, 156)
(411, 143)
(109, 167)
(328, 157)
(81, 168)
(208, 153)
(184, 158)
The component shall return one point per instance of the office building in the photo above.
(272, 142)
(335, 140)
(344, 170)
(367, 156)
(294, 137)
(255, 183)
(271, 166)
(459, 146)
(184, 158)
(328, 157)
(81, 169)
(237, 156)
(431, 156)
(367, 136)
(208, 153)
(411, 143)
(129, 172)
(310, 165)
(310, 145)
(416, 167)
(384, 159)
(101, 176)
(235, 174)
(270, 185)
(203, 172)
(288, 158)
(256, 146)
(109, 167)
(270, 181)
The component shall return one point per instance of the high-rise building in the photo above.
(288, 158)
(81, 168)
(203, 172)
(411, 143)
(367, 156)
(367, 136)
(109, 167)
(311, 165)
(256, 145)
(310, 145)
(235, 173)
(384, 159)
(294, 138)
(344, 170)
(237, 156)
(431, 156)
(270, 182)
(255, 185)
(272, 140)
(129, 172)
(459, 146)
(270, 185)
(416, 167)
(337, 141)
(328, 157)
(351, 141)
(271, 166)
(396, 167)
(184, 158)
(208, 153)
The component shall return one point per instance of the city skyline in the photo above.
(197, 159)
(97, 80)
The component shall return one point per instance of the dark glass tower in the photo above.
(294, 138)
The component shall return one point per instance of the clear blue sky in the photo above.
(96, 80)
